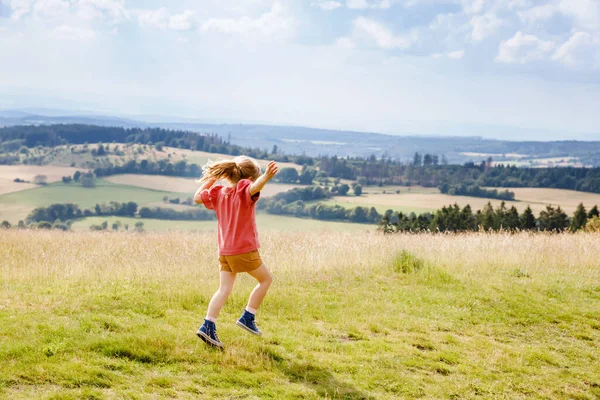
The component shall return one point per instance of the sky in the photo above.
(512, 69)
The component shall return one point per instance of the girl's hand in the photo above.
(272, 170)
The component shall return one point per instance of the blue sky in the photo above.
(514, 69)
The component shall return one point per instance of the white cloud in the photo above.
(522, 49)
(456, 55)
(586, 13)
(183, 21)
(382, 35)
(346, 43)
(363, 4)
(71, 33)
(326, 4)
(20, 8)
(581, 48)
(163, 19)
(539, 13)
(274, 22)
(484, 26)
(95, 9)
(472, 6)
(50, 9)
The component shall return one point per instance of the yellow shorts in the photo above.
(241, 262)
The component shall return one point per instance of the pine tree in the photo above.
(593, 212)
(579, 218)
(528, 220)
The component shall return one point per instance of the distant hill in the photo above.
(315, 142)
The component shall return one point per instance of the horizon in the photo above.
(156, 120)
(506, 70)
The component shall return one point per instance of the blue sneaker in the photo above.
(246, 321)
(208, 333)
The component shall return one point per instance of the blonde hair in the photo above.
(239, 168)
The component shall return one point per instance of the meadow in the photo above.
(114, 315)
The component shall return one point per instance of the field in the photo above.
(264, 222)
(182, 185)
(15, 206)
(8, 173)
(114, 315)
(428, 199)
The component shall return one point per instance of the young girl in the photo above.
(238, 238)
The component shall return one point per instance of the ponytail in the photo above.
(239, 168)
(224, 169)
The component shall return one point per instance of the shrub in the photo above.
(593, 225)
(407, 263)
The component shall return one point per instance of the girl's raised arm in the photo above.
(262, 180)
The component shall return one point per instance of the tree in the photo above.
(579, 218)
(288, 175)
(358, 190)
(40, 179)
(528, 219)
(343, 189)
(76, 176)
(139, 227)
(87, 181)
(593, 212)
(67, 179)
(5, 225)
(417, 160)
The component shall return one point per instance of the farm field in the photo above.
(8, 173)
(97, 315)
(264, 222)
(182, 185)
(15, 206)
(567, 199)
(421, 201)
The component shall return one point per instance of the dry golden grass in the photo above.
(159, 255)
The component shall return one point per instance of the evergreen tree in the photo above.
(511, 220)
(528, 220)
(593, 212)
(579, 218)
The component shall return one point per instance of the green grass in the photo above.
(24, 201)
(264, 222)
(114, 316)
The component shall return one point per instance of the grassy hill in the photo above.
(97, 315)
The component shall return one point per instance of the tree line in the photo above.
(454, 219)
(70, 212)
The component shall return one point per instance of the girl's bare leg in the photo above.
(264, 278)
(218, 300)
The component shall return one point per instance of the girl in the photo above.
(238, 238)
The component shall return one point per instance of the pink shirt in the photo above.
(236, 217)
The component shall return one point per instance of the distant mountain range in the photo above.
(315, 142)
